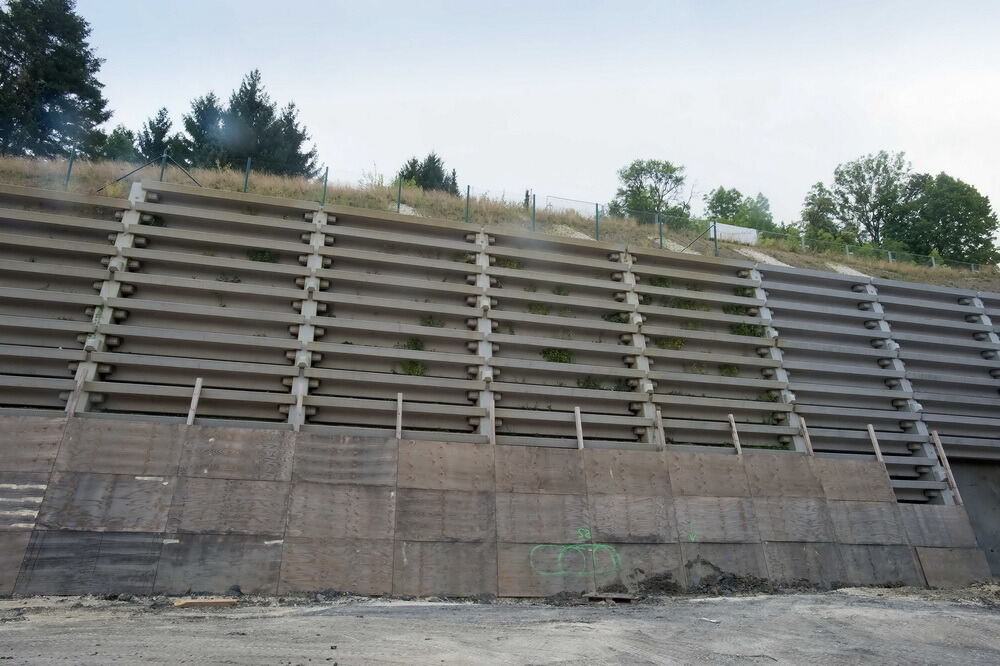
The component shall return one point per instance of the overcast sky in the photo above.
(556, 96)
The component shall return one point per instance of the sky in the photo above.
(765, 96)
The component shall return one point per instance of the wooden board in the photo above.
(641, 568)
(632, 519)
(120, 447)
(537, 518)
(528, 469)
(540, 570)
(29, 443)
(706, 474)
(781, 474)
(818, 563)
(107, 502)
(880, 565)
(937, 525)
(12, 548)
(953, 567)
(445, 569)
(212, 563)
(716, 519)
(793, 519)
(626, 472)
(237, 453)
(21, 496)
(445, 465)
(225, 506)
(867, 522)
(702, 560)
(324, 510)
(338, 459)
(445, 515)
(359, 566)
(853, 480)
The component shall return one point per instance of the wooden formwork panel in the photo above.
(703, 560)
(120, 447)
(706, 474)
(867, 564)
(794, 562)
(445, 465)
(538, 518)
(359, 566)
(626, 472)
(108, 502)
(226, 506)
(639, 567)
(781, 475)
(237, 453)
(444, 515)
(325, 458)
(632, 518)
(21, 495)
(866, 522)
(526, 469)
(937, 525)
(953, 567)
(444, 568)
(793, 519)
(716, 519)
(70, 562)
(12, 549)
(541, 570)
(853, 479)
(338, 511)
(215, 562)
(29, 443)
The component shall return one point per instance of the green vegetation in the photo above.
(615, 317)
(538, 308)
(432, 321)
(413, 344)
(592, 383)
(744, 292)
(509, 262)
(685, 304)
(691, 326)
(412, 368)
(556, 355)
(728, 370)
(669, 343)
(621, 384)
(740, 310)
(693, 286)
(430, 174)
(151, 221)
(660, 281)
(751, 330)
(645, 299)
(560, 290)
(260, 254)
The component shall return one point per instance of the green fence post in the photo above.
(659, 226)
(246, 176)
(803, 239)
(847, 250)
(399, 193)
(468, 193)
(69, 170)
(163, 165)
(326, 178)
(933, 263)
(533, 227)
(715, 235)
(597, 221)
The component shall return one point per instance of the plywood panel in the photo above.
(626, 472)
(716, 519)
(781, 474)
(704, 560)
(212, 563)
(880, 565)
(529, 469)
(107, 502)
(541, 570)
(29, 443)
(21, 497)
(632, 518)
(793, 519)
(337, 459)
(641, 568)
(444, 515)
(853, 479)
(953, 567)
(445, 569)
(324, 510)
(120, 447)
(224, 506)
(867, 522)
(358, 566)
(536, 518)
(445, 465)
(937, 525)
(12, 547)
(818, 563)
(237, 453)
(706, 474)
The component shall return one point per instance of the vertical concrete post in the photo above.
(81, 400)
(303, 358)
(786, 395)
(642, 361)
(484, 325)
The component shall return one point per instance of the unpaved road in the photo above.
(841, 627)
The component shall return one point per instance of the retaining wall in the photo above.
(97, 506)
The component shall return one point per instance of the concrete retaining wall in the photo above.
(96, 505)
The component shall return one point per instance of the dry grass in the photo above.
(88, 177)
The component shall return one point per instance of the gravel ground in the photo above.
(848, 626)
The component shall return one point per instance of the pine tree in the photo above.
(50, 98)
(120, 146)
(204, 128)
(154, 138)
(430, 174)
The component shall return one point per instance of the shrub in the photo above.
(669, 343)
(621, 384)
(615, 317)
(745, 292)
(727, 370)
(260, 254)
(660, 281)
(686, 304)
(741, 310)
(751, 330)
(556, 355)
(432, 321)
(645, 299)
(509, 262)
(412, 368)
(413, 344)
(538, 308)
(592, 383)
(560, 290)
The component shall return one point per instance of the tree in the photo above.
(651, 186)
(430, 174)
(819, 214)
(203, 126)
(722, 204)
(50, 98)
(873, 193)
(951, 218)
(120, 146)
(755, 213)
(154, 138)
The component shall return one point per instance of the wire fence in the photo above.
(527, 210)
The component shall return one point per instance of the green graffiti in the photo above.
(583, 532)
(578, 559)
(691, 534)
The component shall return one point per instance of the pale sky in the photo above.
(556, 96)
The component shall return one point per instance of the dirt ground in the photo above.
(847, 626)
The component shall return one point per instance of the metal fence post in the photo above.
(847, 250)
(246, 176)
(533, 220)
(597, 221)
(933, 262)
(468, 193)
(399, 193)
(69, 170)
(659, 227)
(715, 235)
(803, 239)
(889, 252)
(326, 179)
(163, 165)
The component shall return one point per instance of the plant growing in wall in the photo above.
(592, 383)
(744, 292)
(262, 255)
(728, 370)
(740, 310)
(557, 355)
(560, 290)
(431, 321)
(509, 262)
(531, 287)
(691, 326)
(621, 384)
(660, 281)
(412, 368)
(750, 330)
(413, 344)
(151, 220)
(615, 317)
(669, 342)
(538, 308)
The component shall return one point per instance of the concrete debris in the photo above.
(845, 270)
(757, 255)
